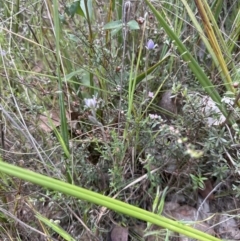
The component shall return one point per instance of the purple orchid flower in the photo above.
(3, 52)
(150, 45)
(91, 103)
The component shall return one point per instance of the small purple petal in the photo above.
(3, 52)
(150, 94)
(91, 103)
(150, 44)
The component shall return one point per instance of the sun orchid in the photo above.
(150, 94)
(91, 103)
(150, 45)
(3, 52)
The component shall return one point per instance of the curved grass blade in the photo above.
(105, 201)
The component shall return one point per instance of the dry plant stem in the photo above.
(28, 40)
(91, 45)
(30, 205)
(214, 42)
(11, 27)
(104, 209)
(126, 7)
(24, 130)
(21, 222)
(28, 135)
(109, 17)
(2, 131)
(234, 164)
(1, 113)
(36, 39)
(147, 56)
(80, 221)
(205, 199)
(224, 221)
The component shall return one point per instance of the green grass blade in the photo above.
(64, 127)
(55, 227)
(102, 200)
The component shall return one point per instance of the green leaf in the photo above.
(85, 76)
(115, 31)
(72, 74)
(73, 9)
(133, 25)
(73, 38)
(88, 8)
(143, 75)
(113, 25)
(55, 227)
